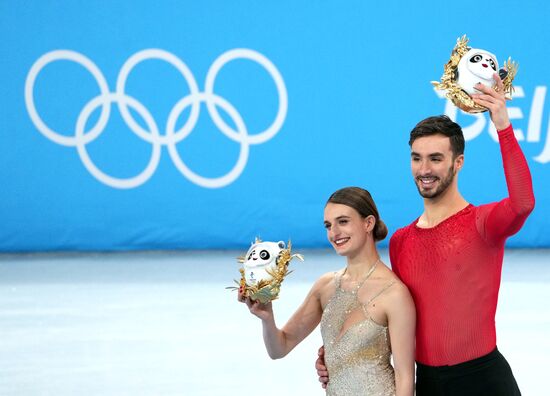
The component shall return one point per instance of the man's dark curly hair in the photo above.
(440, 125)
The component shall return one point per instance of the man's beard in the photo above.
(443, 185)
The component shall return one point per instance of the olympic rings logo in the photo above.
(151, 134)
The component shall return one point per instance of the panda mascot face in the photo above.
(260, 257)
(476, 66)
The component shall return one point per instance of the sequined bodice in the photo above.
(358, 359)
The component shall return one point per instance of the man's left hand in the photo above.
(494, 100)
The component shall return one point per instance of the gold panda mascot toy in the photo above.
(469, 66)
(264, 268)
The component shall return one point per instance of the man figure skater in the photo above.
(451, 258)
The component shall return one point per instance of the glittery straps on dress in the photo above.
(366, 305)
(380, 292)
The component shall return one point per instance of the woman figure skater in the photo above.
(366, 313)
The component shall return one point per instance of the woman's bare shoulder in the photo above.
(398, 294)
(325, 279)
(325, 283)
(396, 288)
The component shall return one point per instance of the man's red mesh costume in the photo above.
(453, 270)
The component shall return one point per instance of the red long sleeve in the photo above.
(453, 270)
(505, 218)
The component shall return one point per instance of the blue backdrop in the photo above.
(179, 124)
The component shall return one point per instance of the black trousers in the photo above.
(489, 375)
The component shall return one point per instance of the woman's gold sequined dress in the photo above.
(358, 360)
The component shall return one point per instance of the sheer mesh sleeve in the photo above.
(500, 220)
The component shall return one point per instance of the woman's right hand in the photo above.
(262, 311)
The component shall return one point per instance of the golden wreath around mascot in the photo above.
(469, 66)
(264, 267)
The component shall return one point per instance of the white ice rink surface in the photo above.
(162, 323)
